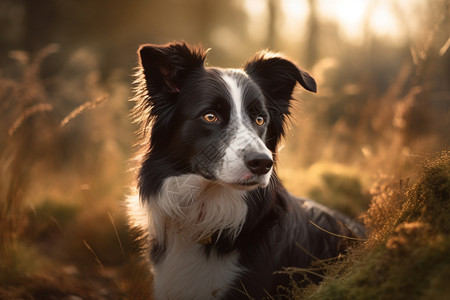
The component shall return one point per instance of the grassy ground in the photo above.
(407, 253)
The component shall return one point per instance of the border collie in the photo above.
(219, 223)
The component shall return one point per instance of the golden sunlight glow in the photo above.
(383, 20)
(348, 14)
(295, 13)
(257, 14)
(354, 18)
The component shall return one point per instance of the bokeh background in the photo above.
(66, 139)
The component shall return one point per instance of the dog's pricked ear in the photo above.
(165, 66)
(277, 77)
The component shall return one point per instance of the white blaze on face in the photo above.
(245, 139)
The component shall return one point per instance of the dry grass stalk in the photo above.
(87, 105)
(38, 108)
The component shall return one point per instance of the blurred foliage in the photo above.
(66, 139)
(345, 191)
(59, 189)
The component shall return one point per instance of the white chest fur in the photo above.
(187, 272)
(188, 209)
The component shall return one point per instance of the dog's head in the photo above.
(221, 124)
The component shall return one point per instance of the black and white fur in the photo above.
(220, 224)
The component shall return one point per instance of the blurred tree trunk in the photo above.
(272, 20)
(205, 19)
(40, 24)
(312, 35)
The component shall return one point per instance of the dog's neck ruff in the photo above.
(196, 208)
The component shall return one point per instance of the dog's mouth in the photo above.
(248, 184)
(245, 185)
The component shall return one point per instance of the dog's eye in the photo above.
(210, 118)
(259, 121)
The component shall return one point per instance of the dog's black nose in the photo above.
(258, 163)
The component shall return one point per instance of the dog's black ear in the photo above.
(277, 77)
(165, 66)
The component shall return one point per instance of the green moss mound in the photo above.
(407, 255)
